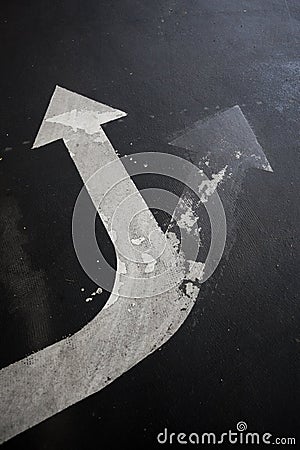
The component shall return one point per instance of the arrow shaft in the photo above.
(112, 186)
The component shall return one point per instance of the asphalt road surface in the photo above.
(168, 64)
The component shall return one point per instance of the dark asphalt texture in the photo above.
(167, 64)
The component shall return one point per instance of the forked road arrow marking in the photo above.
(120, 336)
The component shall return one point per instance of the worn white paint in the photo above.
(191, 289)
(138, 241)
(187, 220)
(207, 188)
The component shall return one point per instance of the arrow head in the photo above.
(225, 139)
(69, 112)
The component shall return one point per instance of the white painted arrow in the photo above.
(121, 335)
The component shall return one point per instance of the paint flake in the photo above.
(208, 187)
(138, 241)
(196, 270)
(187, 220)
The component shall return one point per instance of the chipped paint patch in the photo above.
(196, 270)
(191, 290)
(208, 187)
(138, 241)
(187, 220)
